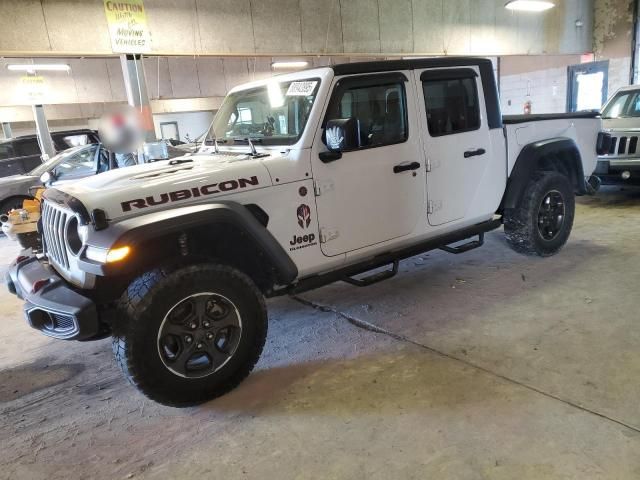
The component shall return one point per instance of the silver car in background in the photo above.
(71, 164)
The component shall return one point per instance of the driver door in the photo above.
(79, 165)
(362, 199)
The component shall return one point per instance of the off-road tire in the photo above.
(521, 224)
(142, 309)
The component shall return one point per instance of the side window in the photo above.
(6, 151)
(451, 105)
(380, 109)
(78, 164)
(27, 147)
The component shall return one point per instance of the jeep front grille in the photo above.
(54, 221)
(623, 146)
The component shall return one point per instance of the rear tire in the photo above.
(543, 222)
(190, 335)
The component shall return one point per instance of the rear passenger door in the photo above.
(455, 138)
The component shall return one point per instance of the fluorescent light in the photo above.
(289, 64)
(35, 67)
(529, 5)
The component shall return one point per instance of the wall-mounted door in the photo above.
(587, 86)
(169, 131)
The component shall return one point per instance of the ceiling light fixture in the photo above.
(289, 64)
(529, 5)
(35, 67)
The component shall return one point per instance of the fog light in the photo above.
(117, 254)
(626, 175)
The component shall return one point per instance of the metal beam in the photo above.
(135, 84)
(6, 130)
(42, 130)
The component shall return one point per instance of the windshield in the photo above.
(623, 105)
(54, 161)
(274, 114)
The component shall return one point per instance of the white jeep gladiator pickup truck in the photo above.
(306, 179)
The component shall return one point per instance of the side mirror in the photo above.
(47, 177)
(341, 135)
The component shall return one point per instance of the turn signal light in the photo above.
(117, 254)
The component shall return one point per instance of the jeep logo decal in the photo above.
(195, 192)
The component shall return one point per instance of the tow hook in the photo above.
(593, 184)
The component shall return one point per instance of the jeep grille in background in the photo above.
(622, 146)
(54, 220)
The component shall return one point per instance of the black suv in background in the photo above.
(22, 154)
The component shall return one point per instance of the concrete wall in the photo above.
(540, 80)
(272, 27)
(193, 124)
(543, 80)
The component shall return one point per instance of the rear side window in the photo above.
(6, 151)
(451, 104)
(26, 147)
(380, 108)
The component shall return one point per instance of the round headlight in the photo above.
(75, 239)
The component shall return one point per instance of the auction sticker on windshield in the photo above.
(302, 89)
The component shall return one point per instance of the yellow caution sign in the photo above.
(127, 20)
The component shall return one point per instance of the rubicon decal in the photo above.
(195, 192)
(304, 216)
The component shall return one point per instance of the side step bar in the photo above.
(375, 278)
(465, 247)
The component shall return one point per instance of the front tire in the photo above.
(190, 335)
(542, 223)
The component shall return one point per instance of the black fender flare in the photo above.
(531, 159)
(137, 230)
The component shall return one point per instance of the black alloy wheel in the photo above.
(551, 215)
(199, 335)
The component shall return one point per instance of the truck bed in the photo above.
(511, 119)
(581, 127)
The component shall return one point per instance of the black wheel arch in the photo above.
(556, 154)
(212, 230)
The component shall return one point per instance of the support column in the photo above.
(6, 130)
(42, 129)
(136, 86)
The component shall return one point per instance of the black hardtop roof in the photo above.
(75, 131)
(409, 64)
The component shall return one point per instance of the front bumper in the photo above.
(611, 170)
(55, 309)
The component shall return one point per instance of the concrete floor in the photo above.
(487, 365)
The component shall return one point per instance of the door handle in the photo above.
(474, 153)
(403, 167)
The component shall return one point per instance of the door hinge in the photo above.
(328, 234)
(434, 206)
(428, 164)
(320, 187)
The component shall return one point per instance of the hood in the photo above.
(169, 183)
(625, 124)
(15, 179)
